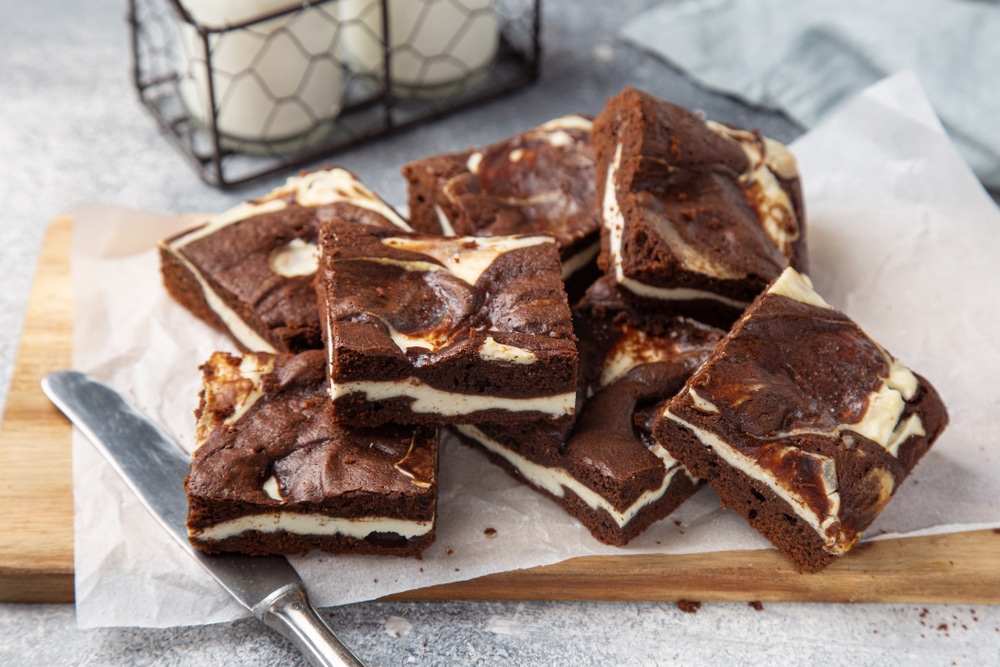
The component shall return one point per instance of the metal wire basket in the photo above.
(248, 88)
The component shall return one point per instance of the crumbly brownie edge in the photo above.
(425, 181)
(754, 501)
(628, 138)
(356, 409)
(772, 515)
(800, 248)
(185, 288)
(256, 543)
(602, 525)
(466, 372)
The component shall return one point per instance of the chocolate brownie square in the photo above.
(425, 329)
(248, 272)
(802, 423)
(539, 181)
(698, 216)
(274, 473)
(610, 472)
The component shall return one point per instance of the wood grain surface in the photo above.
(36, 495)
(36, 516)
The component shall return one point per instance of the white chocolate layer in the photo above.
(240, 212)
(633, 349)
(581, 259)
(912, 426)
(492, 351)
(338, 186)
(900, 377)
(468, 257)
(779, 159)
(401, 467)
(295, 258)
(767, 158)
(559, 139)
(557, 480)
(313, 524)
(630, 351)
(405, 341)
(702, 403)
(429, 400)
(750, 468)
(614, 221)
(271, 488)
(240, 330)
(252, 368)
(568, 122)
(793, 285)
(446, 228)
(472, 164)
(880, 421)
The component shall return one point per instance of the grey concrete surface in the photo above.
(552, 634)
(71, 130)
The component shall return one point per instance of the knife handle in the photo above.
(289, 612)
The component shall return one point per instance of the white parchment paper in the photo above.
(902, 238)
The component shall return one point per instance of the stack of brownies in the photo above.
(695, 351)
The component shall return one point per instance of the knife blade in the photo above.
(154, 465)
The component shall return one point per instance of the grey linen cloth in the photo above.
(807, 57)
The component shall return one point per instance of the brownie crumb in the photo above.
(449, 551)
(756, 605)
(490, 532)
(943, 627)
(689, 606)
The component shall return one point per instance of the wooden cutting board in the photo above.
(36, 516)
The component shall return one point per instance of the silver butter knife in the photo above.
(154, 465)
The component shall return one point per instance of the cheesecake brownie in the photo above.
(610, 472)
(248, 272)
(698, 217)
(425, 329)
(539, 181)
(802, 423)
(274, 473)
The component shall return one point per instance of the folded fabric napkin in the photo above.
(806, 58)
